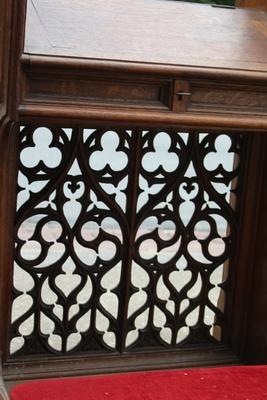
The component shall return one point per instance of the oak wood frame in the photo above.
(248, 322)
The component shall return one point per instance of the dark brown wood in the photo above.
(57, 81)
(83, 65)
(77, 114)
(246, 256)
(110, 364)
(12, 19)
(5, 39)
(140, 65)
(255, 345)
(136, 92)
(132, 169)
(97, 90)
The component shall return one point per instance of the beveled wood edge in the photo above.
(57, 62)
(81, 114)
(207, 356)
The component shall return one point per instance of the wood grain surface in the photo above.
(260, 4)
(149, 31)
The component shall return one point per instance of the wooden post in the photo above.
(12, 19)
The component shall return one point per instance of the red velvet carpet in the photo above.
(226, 383)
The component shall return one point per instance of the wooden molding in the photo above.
(60, 114)
(12, 18)
(25, 370)
(12, 21)
(89, 66)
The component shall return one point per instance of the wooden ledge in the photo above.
(111, 66)
(82, 114)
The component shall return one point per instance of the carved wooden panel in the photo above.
(97, 90)
(228, 98)
(125, 239)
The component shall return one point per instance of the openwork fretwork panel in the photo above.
(124, 238)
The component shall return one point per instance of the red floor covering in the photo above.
(225, 383)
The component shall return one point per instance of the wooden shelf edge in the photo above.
(20, 371)
(57, 62)
(36, 113)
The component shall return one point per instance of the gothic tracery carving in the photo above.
(123, 238)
